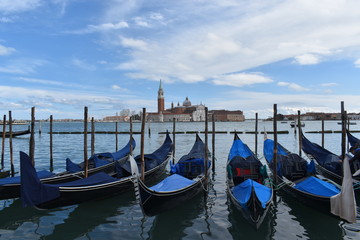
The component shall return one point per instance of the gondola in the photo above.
(248, 185)
(354, 141)
(328, 163)
(293, 124)
(100, 162)
(97, 186)
(187, 179)
(15, 133)
(298, 178)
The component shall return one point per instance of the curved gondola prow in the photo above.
(354, 142)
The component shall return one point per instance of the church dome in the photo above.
(187, 102)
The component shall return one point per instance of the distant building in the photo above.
(188, 112)
(227, 116)
(182, 113)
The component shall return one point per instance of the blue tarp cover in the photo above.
(16, 180)
(242, 192)
(238, 148)
(269, 150)
(172, 183)
(101, 159)
(318, 187)
(33, 192)
(322, 156)
(95, 179)
(72, 167)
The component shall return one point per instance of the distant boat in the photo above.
(350, 123)
(15, 133)
(292, 124)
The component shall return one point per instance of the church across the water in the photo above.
(182, 113)
(188, 112)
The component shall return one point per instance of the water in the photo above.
(209, 216)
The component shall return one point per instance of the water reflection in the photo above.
(173, 223)
(313, 221)
(89, 215)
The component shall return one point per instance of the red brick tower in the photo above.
(161, 105)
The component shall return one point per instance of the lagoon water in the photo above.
(207, 216)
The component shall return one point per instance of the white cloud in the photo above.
(134, 43)
(104, 27)
(6, 50)
(22, 66)
(253, 102)
(82, 64)
(213, 43)
(241, 79)
(357, 63)
(118, 88)
(329, 84)
(12, 6)
(293, 86)
(307, 59)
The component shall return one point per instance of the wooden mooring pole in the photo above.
(116, 136)
(131, 137)
(92, 136)
(51, 144)
(142, 145)
(173, 134)
(206, 145)
(213, 142)
(11, 146)
(322, 130)
(32, 137)
(256, 133)
(85, 141)
(299, 128)
(343, 131)
(3, 143)
(275, 152)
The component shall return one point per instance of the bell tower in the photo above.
(161, 105)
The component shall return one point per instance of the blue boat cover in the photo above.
(269, 150)
(152, 160)
(287, 163)
(95, 179)
(172, 183)
(352, 139)
(238, 148)
(323, 157)
(101, 159)
(192, 164)
(317, 186)
(159, 156)
(72, 167)
(242, 192)
(16, 180)
(33, 192)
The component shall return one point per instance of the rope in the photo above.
(277, 187)
(203, 186)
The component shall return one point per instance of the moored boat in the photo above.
(187, 179)
(248, 185)
(298, 178)
(101, 162)
(96, 186)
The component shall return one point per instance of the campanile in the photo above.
(161, 105)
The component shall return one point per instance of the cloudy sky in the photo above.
(62, 55)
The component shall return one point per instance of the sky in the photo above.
(61, 55)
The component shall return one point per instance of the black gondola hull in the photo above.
(76, 195)
(13, 190)
(254, 213)
(153, 202)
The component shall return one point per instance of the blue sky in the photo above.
(62, 55)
